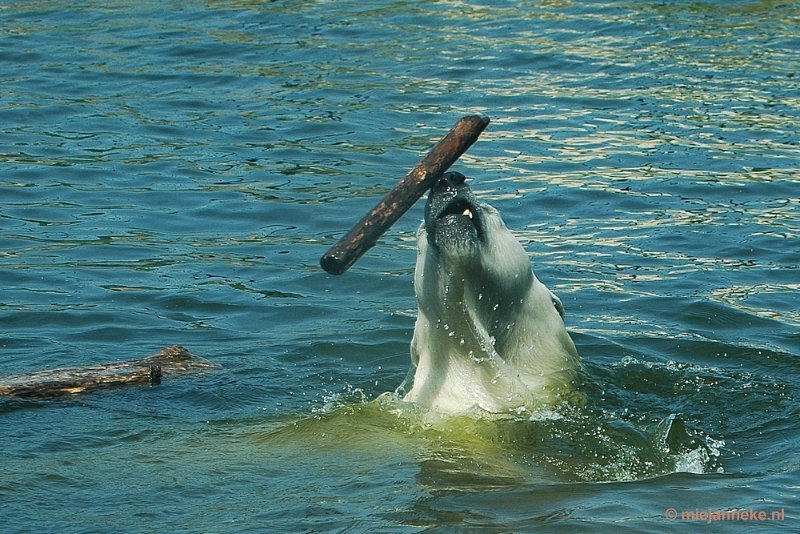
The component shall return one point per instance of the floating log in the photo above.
(365, 233)
(73, 380)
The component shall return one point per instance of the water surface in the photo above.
(172, 172)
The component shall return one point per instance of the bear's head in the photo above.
(469, 238)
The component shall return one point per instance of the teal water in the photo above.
(172, 172)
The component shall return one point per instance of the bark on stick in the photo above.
(399, 200)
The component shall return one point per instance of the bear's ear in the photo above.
(558, 304)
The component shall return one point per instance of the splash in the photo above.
(566, 442)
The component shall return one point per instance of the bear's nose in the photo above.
(451, 180)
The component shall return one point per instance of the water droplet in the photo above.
(476, 359)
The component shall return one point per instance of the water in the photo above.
(172, 172)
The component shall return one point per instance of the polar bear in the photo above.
(489, 335)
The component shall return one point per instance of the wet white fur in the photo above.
(488, 334)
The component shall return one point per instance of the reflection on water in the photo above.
(746, 299)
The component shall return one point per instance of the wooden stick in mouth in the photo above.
(367, 231)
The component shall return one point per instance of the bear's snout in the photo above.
(453, 217)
